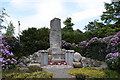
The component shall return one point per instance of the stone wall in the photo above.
(39, 58)
(72, 58)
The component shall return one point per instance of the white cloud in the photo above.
(45, 10)
(50, 9)
(87, 14)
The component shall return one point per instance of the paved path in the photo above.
(60, 72)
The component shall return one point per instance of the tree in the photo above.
(101, 32)
(110, 24)
(68, 24)
(2, 19)
(34, 39)
(10, 29)
(94, 25)
(70, 35)
(73, 36)
(111, 16)
(8, 26)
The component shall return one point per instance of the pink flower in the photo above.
(1, 44)
(11, 54)
(1, 59)
(12, 62)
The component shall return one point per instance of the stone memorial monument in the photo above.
(55, 40)
(55, 36)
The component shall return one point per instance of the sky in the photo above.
(38, 13)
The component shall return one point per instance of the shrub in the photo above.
(113, 61)
(14, 44)
(34, 68)
(13, 70)
(73, 36)
(111, 74)
(87, 72)
(92, 73)
(96, 48)
(25, 76)
(82, 76)
(8, 59)
(33, 40)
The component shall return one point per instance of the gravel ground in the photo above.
(59, 72)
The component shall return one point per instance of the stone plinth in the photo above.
(69, 55)
(44, 57)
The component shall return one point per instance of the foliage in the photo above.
(34, 68)
(33, 40)
(89, 48)
(82, 76)
(16, 47)
(111, 74)
(110, 24)
(94, 25)
(89, 73)
(10, 29)
(98, 32)
(13, 70)
(114, 43)
(73, 36)
(113, 58)
(70, 35)
(26, 76)
(111, 15)
(17, 69)
(68, 24)
(99, 46)
(113, 61)
(3, 14)
(8, 25)
(8, 60)
(95, 46)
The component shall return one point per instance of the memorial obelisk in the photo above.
(55, 36)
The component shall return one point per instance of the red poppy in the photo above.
(51, 63)
(59, 63)
(65, 63)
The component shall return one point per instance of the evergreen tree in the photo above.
(34, 39)
(94, 25)
(68, 24)
(111, 16)
(2, 19)
(10, 29)
(70, 35)
(110, 24)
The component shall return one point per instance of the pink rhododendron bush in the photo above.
(7, 58)
(104, 49)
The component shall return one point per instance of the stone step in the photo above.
(57, 66)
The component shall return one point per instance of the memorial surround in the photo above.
(55, 55)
